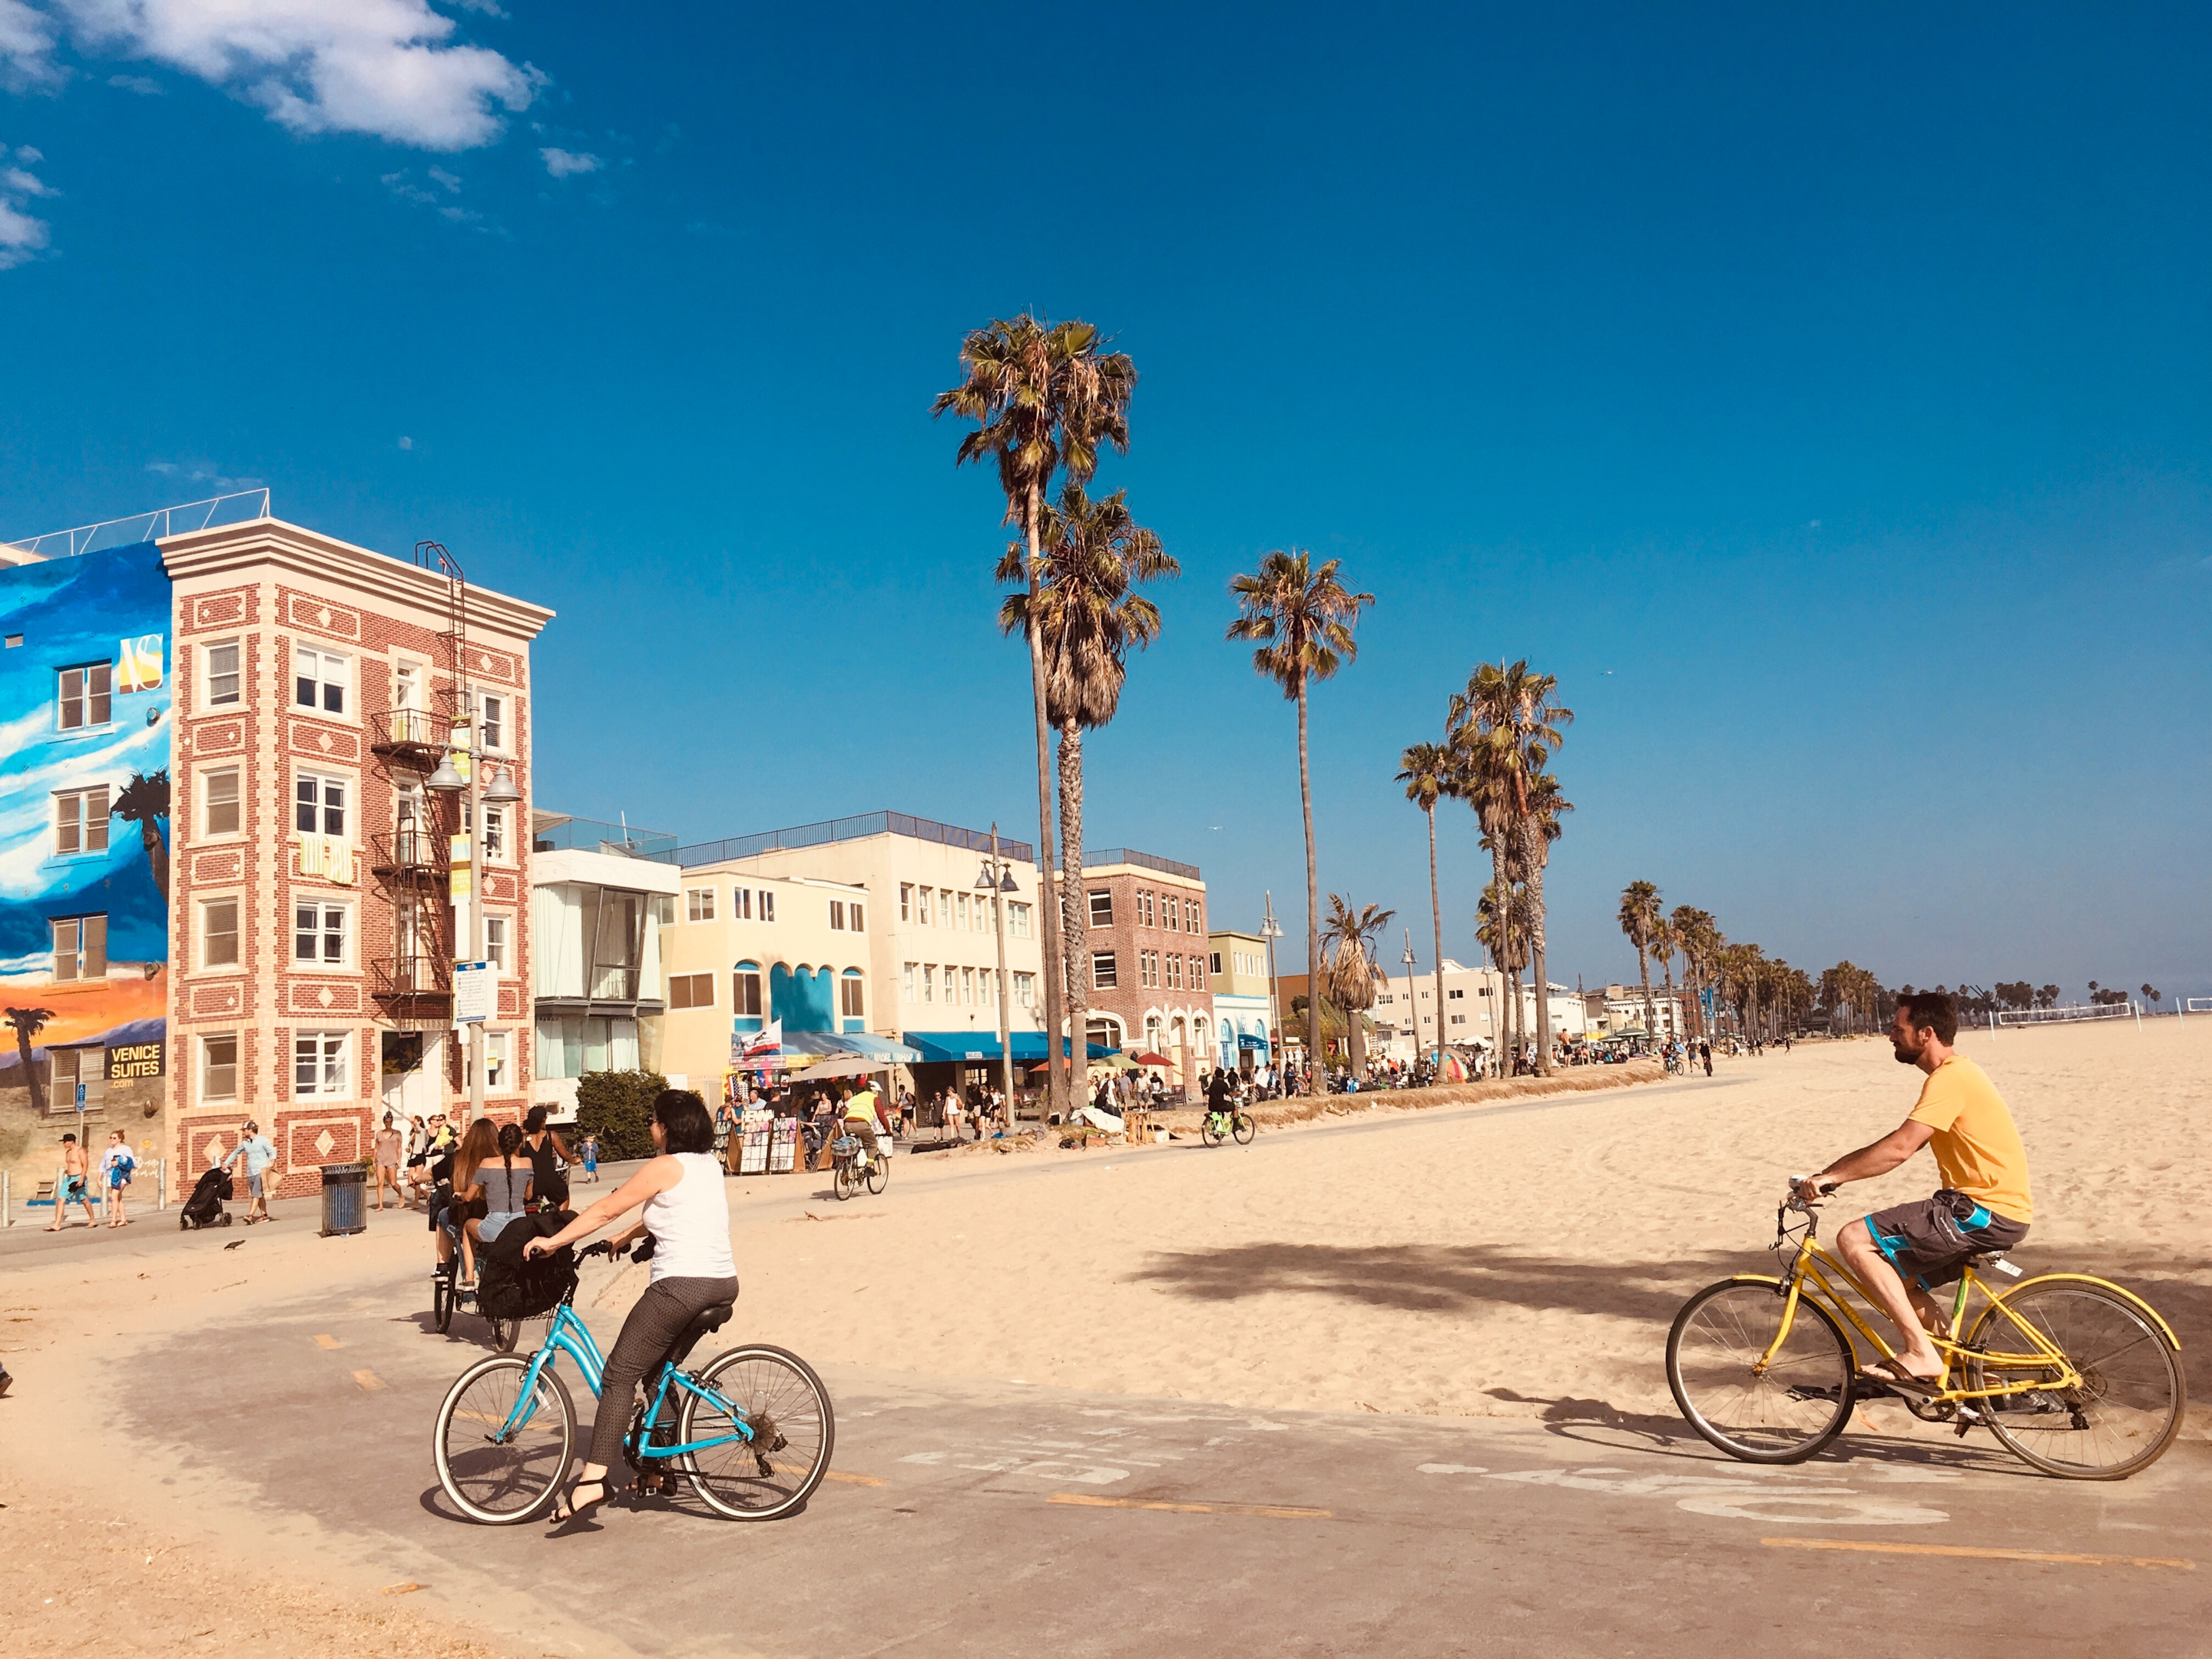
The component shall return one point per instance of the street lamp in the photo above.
(498, 791)
(997, 878)
(1271, 930)
(1409, 959)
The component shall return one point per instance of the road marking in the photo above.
(854, 1479)
(1979, 1554)
(327, 1342)
(1271, 1511)
(409, 1587)
(369, 1381)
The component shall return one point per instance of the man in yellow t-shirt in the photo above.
(1902, 1254)
(861, 1117)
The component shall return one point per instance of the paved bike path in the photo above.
(988, 1518)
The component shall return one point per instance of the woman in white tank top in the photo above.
(687, 1211)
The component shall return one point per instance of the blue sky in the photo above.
(1824, 399)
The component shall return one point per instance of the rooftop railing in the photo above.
(856, 829)
(589, 836)
(241, 507)
(1095, 858)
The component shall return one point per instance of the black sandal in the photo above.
(570, 1510)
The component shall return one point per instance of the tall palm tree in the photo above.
(1497, 929)
(1479, 779)
(1640, 916)
(1300, 619)
(144, 801)
(1426, 769)
(1094, 553)
(27, 1023)
(1044, 396)
(1519, 715)
(1692, 929)
(1348, 939)
(1664, 944)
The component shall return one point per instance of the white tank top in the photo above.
(690, 1223)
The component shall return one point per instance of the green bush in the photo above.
(617, 1108)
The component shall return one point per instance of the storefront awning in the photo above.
(802, 1048)
(976, 1047)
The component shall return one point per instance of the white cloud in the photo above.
(387, 68)
(407, 443)
(138, 83)
(450, 182)
(202, 472)
(561, 163)
(23, 235)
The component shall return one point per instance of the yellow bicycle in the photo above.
(2073, 1374)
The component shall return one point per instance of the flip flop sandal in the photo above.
(1883, 1372)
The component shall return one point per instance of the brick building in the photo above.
(282, 948)
(1150, 987)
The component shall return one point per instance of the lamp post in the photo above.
(1408, 959)
(500, 792)
(1271, 930)
(997, 878)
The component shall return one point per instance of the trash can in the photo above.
(346, 1199)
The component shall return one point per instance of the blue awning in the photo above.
(975, 1048)
(843, 1045)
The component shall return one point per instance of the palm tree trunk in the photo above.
(1048, 898)
(157, 857)
(1667, 962)
(1533, 835)
(1075, 921)
(1314, 1067)
(31, 1074)
(1643, 972)
(1436, 916)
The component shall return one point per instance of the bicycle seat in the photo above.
(705, 1322)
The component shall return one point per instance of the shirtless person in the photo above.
(73, 1185)
(1902, 1254)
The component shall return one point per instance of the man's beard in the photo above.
(1903, 1056)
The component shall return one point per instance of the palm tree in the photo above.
(1425, 770)
(1518, 723)
(1700, 941)
(27, 1023)
(1640, 917)
(1664, 944)
(145, 802)
(1300, 620)
(1093, 553)
(1497, 929)
(1043, 398)
(1348, 938)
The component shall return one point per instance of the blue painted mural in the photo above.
(803, 997)
(84, 807)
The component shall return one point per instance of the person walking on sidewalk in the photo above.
(72, 1186)
(117, 1165)
(387, 1160)
(255, 1148)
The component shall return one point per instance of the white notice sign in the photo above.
(473, 992)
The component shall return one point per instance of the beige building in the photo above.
(873, 924)
(1243, 1007)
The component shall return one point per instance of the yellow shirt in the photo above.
(1976, 1148)
(862, 1105)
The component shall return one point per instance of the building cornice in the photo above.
(262, 543)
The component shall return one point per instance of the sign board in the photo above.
(475, 991)
(137, 1060)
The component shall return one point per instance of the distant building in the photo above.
(1243, 1010)
(1473, 1015)
(1618, 1011)
(1150, 987)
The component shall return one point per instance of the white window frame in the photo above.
(836, 916)
(759, 998)
(80, 968)
(690, 981)
(500, 954)
(741, 904)
(960, 912)
(1024, 990)
(496, 721)
(210, 696)
(237, 906)
(906, 980)
(1175, 970)
(331, 1061)
(698, 904)
(323, 662)
(768, 904)
(1018, 920)
(967, 987)
(321, 807)
(236, 773)
(1112, 979)
(88, 699)
(1102, 898)
(325, 908)
(498, 842)
(855, 922)
(499, 1058)
(924, 913)
(857, 984)
(906, 900)
(207, 1096)
(84, 825)
(929, 982)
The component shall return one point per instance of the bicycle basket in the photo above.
(845, 1146)
(509, 1287)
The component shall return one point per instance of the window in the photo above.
(854, 917)
(986, 987)
(320, 804)
(849, 995)
(219, 802)
(1175, 972)
(1017, 921)
(906, 980)
(218, 1070)
(928, 981)
(498, 1052)
(81, 948)
(496, 943)
(923, 913)
(766, 905)
(219, 933)
(83, 695)
(699, 904)
(741, 904)
(319, 933)
(968, 985)
(1103, 974)
(406, 691)
(318, 680)
(1197, 973)
(222, 679)
(1454, 996)
(318, 1063)
(745, 991)
(1024, 990)
(1102, 909)
(80, 821)
(906, 900)
(1213, 964)
(494, 723)
(837, 915)
(691, 990)
(495, 834)
(1459, 1019)
(72, 1067)
(1146, 976)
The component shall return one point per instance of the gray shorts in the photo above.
(1930, 1240)
(253, 1186)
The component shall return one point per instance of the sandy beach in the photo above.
(1519, 1258)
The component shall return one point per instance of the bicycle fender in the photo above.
(2121, 1291)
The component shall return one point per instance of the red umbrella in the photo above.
(1151, 1059)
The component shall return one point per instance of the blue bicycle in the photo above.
(752, 1431)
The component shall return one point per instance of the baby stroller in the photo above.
(204, 1208)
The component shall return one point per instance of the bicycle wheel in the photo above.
(846, 1182)
(786, 1408)
(879, 1172)
(501, 1481)
(1244, 1129)
(504, 1334)
(1208, 1131)
(1782, 1414)
(441, 1301)
(2130, 1405)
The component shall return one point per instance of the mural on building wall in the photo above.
(84, 831)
